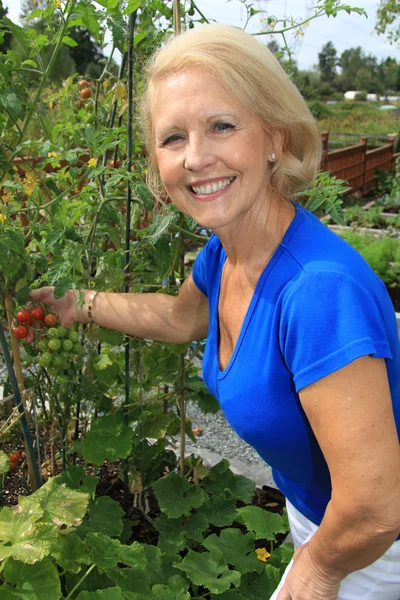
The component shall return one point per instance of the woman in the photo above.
(302, 350)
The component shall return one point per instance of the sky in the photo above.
(345, 31)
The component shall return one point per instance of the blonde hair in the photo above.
(253, 76)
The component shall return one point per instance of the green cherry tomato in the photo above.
(66, 357)
(57, 359)
(73, 336)
(52, 332)
(78, 349)
(62, 379)
(54, 344)
(42, 345)
(67, 345)
(53, 371)
(46, 359)
(62, 332)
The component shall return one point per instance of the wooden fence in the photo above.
(356, 164)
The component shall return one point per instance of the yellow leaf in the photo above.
(262, 554)
(120, 90)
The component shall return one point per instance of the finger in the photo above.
(30, 337)
(44, 294)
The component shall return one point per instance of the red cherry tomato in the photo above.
(12, 465)
(50, 320)
(85, 93)
(115, 164)
(37, 314)
(82, 83)
(14, 456)
(23, 316)
(21, 332)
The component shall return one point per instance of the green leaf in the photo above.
(133, 556)
(132, 6)
(133, 583)
(69, 41)
(281, 557)
(4, 463)
(255, 586)
(105, 516)
(75, 478)
(220, 510)
(10, 102)
(108, 594)
(29, 63)
(70, 552)
(171, 591)
(237, 548)
(172, 538)
(104, 550)
(195, 526)
(62, 286)
(60, 505)
(221, 477)
(210, 570)
(32, 582)
(102, 362)
(264, 524)
(23, 538)
(108, 3)
(108, 437)
(229, 595)
(176, 497)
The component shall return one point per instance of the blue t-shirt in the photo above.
(317, 307)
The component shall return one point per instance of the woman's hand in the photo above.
(306, 582)
(65, 308)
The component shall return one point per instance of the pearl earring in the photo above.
(272, 157)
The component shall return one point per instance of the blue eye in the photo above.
(222, 126)
(172, 138)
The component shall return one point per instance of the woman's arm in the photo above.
(174, 319)
(350, 412)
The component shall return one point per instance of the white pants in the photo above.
(378, 581)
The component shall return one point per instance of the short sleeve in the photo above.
(328, 320)
(202, 265)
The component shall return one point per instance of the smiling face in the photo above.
(211, 151)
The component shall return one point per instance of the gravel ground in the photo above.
(218, 436)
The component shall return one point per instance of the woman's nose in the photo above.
(198, 154)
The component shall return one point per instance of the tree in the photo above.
(6, 43)
(327, 62)
(388, 22)
(389, 73)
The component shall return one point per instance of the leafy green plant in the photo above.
(61, 540)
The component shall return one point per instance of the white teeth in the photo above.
(213, 187)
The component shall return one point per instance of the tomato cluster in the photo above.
(27, 319)
(84, 89)
(57, 349)
(60, 350)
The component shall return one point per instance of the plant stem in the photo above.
(46, 73)
(82, 579)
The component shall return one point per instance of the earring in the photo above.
(272, 157)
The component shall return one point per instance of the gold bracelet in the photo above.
(89, 310)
